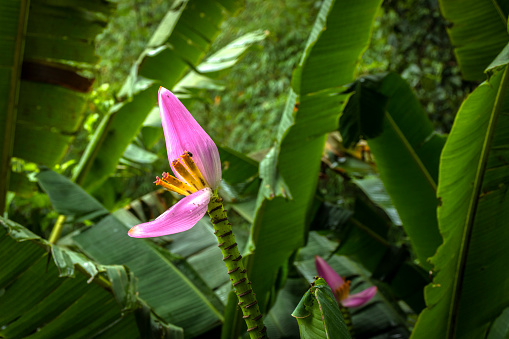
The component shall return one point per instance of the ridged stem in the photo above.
(57, 229)
(348, 319)
(236, 270)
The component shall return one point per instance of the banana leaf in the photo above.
(49, 292)
(318, 314)
(167, 282)
(478, 33)
(406, 152)
(469, 290)
(500, 328)
(45, 49)
(340, 35)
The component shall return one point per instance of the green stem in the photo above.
(236, 270)
(348, 319)
(57, 229)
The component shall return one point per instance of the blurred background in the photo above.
(83, 143)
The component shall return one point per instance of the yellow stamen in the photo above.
(186, 174)
(173, 184)
(187, 169)
(188, 161)
(343, 291)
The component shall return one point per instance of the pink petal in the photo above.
(359, 299)
(325, 271)
(183, 133)
(179, 218)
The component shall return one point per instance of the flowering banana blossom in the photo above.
(194, 159)
(341, 288)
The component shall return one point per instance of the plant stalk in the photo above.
(57, 229)
(348, 319)
(236, 270)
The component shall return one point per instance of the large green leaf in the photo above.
(500, 328)
(478, 32)
(51, 94)
(340, 35)
(180, 42)
(51, 292)
(165, 282)
(217, 63)
(68, 198)
(318, 314)
(46, 48)
(13, 17)
(470, 287)
(364, 114)
(407, 153)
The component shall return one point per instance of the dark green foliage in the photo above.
(380, 317)
(126, 37)
(407, 153)
(49, 292)
(366, 227)
(245, 115)
(368, 208)
(409, 39)
(162, 285)
(478, 31)
(290, 173)
(472, 218)
(363, 116)
(68, 198)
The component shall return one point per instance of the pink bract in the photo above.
(182, 133)
(359, 299)
(179, 218)
(325, 271)
(334, 280)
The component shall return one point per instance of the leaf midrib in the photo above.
(10, 121)
(500, 12)
(412, 152)
(472, 207)
(186, 280)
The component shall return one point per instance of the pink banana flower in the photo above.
(194, 159)
(341, 288)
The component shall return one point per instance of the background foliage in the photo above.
(370, 133)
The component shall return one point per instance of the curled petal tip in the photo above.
(179, 218)
(132, 232)
(361, 298)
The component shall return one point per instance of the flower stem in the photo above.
(236, 270)
(57, 229)
(348, 319)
